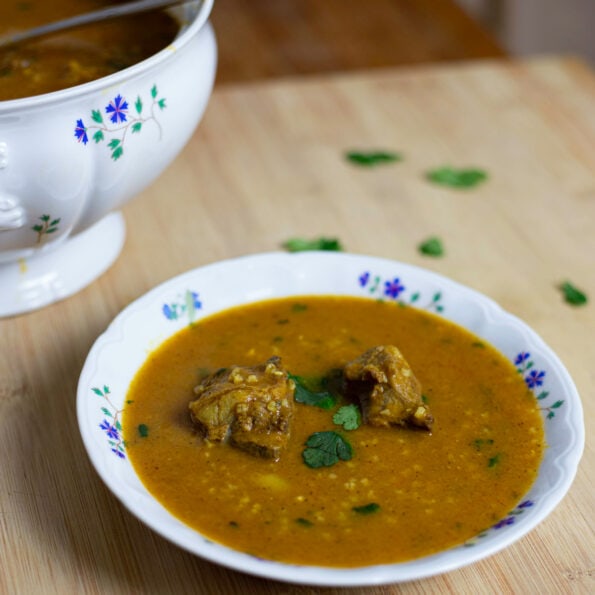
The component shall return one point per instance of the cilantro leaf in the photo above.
(457, 178)
(324, 449)
(302, 245)
(572, 295)
(303, 394)
(143, 430)
(348, 416)
(367, 508)
(372, 158)
(432, 247)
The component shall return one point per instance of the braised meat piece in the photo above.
(389, 392)
(249, 407)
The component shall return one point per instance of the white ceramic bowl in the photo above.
(142, 326)
(69, 158)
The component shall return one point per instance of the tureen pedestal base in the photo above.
(48, 277)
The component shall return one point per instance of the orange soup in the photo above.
(77, 56)
(403, 493)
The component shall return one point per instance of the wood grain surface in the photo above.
(261, 39)
(266, 164)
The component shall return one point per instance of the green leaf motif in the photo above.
(113, 143)
(98, 136)
(38, 228)
(117, 153)
(161, 103)
(97, 391)
(324, 449)
(432, 247)
(372, 158)
(137, 126)
(348, 416)
(96, 116)
(457, 178)
(572, 295)
(303, 245)
(154, 91)
(138, 104)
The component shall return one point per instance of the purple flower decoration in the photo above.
(521, 358)
(80, 132)
(526, 504)
(393, 288)
(364, 278)
(117, 108)
(119, 453)
(169, 312)
(504, 522)
(195, 300)
(110, 430)
(535, 378)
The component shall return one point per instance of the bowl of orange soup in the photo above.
(329, 419)
(88, 119)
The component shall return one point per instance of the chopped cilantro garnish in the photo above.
(432, 247)
(481, 442)
(572, 295)
(303, 394)
(302, 245)
(143, 430)
(304, 522)
(324, 449)
(372, 158)
(367, 508)
(457, 178)
(348, 416)
(493, 461)
(297, 307)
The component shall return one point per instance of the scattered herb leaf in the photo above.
(372, 158)
(303, 394)
(367, 508)
(324, 449)
(303, 245)
(348, 416)
(457, 178)
(432, 247)
(143, 430)
(572, 295)
(234, 524)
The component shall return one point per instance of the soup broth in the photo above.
(405, 493)
(78, 56)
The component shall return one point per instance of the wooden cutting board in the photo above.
(266, 164)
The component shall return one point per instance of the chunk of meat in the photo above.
(389, 392)
(249, 407)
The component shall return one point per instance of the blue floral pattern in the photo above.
(509, 519)
(111, 424)
(122, 119)
(393, 288)
(187, 305)
(535, 379)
